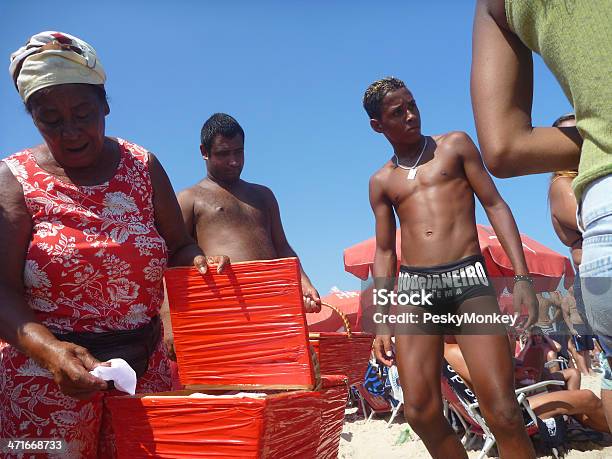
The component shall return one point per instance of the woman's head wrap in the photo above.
(52, 58)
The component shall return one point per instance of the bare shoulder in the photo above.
(155, 167)
(379, 177)
(457, 143)
(188, 195)
(454, 139)
(10, 189)
(260, 191)
(12, 201)
(257, 188)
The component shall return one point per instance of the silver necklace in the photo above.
(412, 170)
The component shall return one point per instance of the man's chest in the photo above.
(231, 209)
(433, 180)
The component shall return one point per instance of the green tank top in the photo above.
(574, 38)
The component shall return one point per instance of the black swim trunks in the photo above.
(449, 284)
(440, 291)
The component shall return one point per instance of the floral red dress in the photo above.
(95, 263)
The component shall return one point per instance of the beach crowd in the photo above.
(89, 224)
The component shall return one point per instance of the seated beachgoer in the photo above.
(546, 347)
(583, 405)
(545, 316)
(530, 364)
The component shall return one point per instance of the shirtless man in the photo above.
(231, 216)
(545, 306)
(435, 206)
(561, 334)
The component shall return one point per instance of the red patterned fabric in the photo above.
(95, 263)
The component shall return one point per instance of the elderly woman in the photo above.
(88, 224)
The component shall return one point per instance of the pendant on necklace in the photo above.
(411, 173)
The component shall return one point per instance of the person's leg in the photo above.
(584, 405)
(606, 378)
(492, 373)
(578, 357)
(586, 357)
(549, 356)
(572, 378)
(606, 400)
(419, 361)
(584, 344)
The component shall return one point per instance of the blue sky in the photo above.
(293, 74)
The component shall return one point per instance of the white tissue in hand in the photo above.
(120, 372)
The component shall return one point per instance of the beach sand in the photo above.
(374, 439)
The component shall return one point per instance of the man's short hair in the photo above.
(563, 118)
(376, 92)
(219, 124)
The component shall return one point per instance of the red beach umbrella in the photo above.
(328, 320)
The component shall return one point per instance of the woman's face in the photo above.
(70, 117)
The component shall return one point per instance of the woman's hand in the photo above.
(70, 365)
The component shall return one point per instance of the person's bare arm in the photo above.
(186, 202)
(70, 364)
(312, 299)
(183, 251)
(552, 343)
(501, 219)
(558, 314)
(385, 261)
(563, 211)
(563, 202)
(565, 310)
(502, 92)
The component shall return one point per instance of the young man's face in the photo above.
(225, 159)
(400, 120)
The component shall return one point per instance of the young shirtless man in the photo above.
(581, 341)
(231, 216)
(430, 183)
